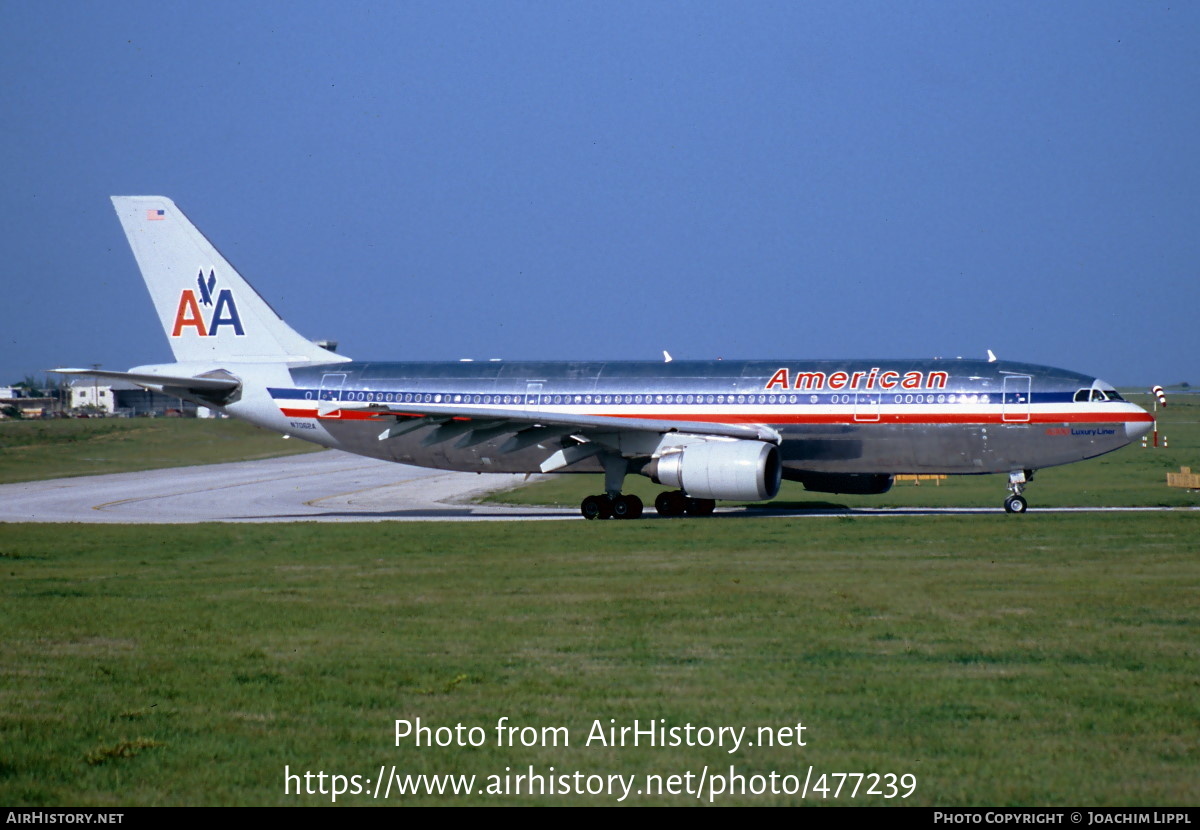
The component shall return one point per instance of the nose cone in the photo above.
(1138, 424)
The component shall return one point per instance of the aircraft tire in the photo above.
(596, 507)
(700, 507)
(1015, 504)
(670, 503)
(627, 507)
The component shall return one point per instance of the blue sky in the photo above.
(607, 180)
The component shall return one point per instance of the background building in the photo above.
(126, 399)
(16, 401)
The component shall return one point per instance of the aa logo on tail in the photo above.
(190, 315)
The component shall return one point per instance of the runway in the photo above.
(329, 486)
(334, 486)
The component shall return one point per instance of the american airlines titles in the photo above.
(873, 379)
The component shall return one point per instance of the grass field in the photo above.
(1041, 660)
(1048, 661)
(1130, 477)
(36, 450)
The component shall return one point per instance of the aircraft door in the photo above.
(533, 396)
(866, 406)
(1016, 399)
(330, 396)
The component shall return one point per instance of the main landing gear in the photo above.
(1016, 484)
(605, 506)
(672, 503)
(611, 504)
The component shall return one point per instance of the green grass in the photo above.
(1130, 477)
(37, 450)
(1045, 661)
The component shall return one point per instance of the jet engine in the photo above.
(735, 470)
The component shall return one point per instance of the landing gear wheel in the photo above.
(1015, 504)
(1017, 481)
(597, 507)
(627, 507)
(670, 503)
(700, 507)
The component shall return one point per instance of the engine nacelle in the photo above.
(735, 470)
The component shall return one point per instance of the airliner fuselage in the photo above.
(862, 417)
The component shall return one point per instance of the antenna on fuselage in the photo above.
(666, 356)
(991, 356)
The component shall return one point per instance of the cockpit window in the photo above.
(1097, 394)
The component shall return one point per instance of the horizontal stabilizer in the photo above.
(196, 384)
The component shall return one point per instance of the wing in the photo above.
(585, 435)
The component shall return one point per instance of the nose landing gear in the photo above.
(1016, 484)
(1015, 504)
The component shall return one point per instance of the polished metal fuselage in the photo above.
(835, 416)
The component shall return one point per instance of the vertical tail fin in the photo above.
(208, 311)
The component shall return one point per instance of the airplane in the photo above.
(711, 430)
